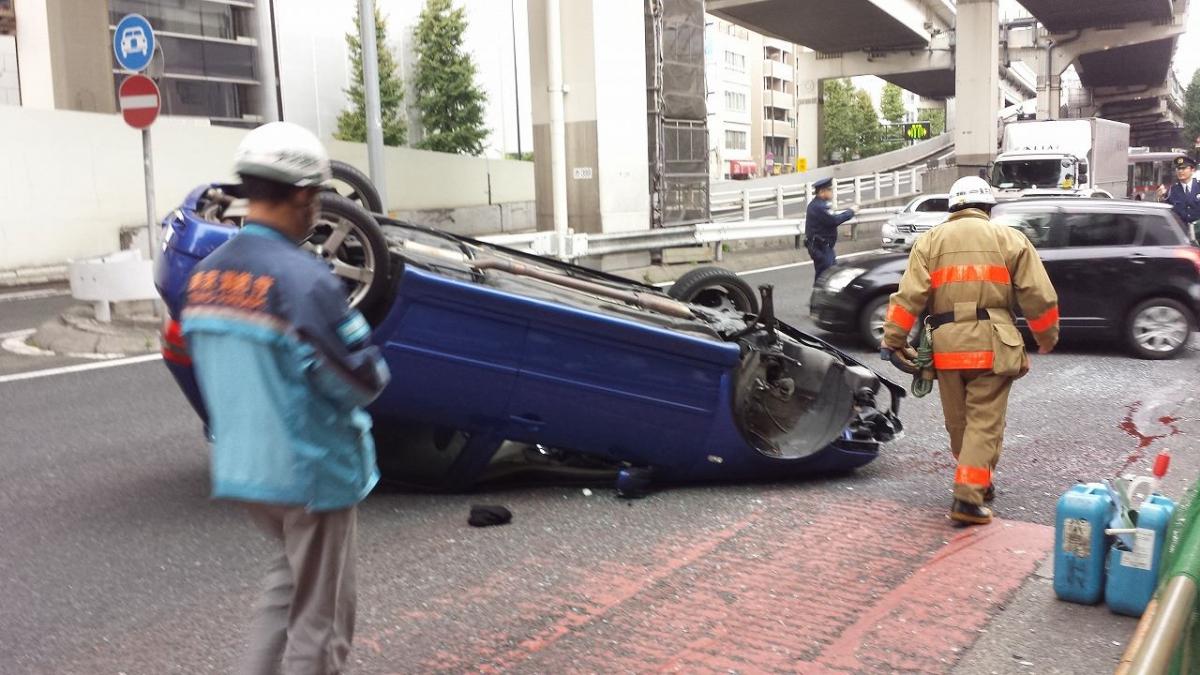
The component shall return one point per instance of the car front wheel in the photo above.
(872, 319)
(717, 288)
(1159, 328)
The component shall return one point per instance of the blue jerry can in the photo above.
(1080, 545)
(1133, 575)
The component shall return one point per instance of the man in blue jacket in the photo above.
(821, 222)
(285, 367)
(1184, 195)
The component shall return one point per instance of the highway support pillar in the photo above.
(976, 83)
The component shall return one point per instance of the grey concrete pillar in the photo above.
(976, 81)
(1049, 94)
(808, 120)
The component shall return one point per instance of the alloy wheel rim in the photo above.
(1160, 329)
(340, 243)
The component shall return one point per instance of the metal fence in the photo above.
(759, 213)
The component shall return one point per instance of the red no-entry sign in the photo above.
(139, 99)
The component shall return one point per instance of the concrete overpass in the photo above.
(1122, 50)
(1111, 43)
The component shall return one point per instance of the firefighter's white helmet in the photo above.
(285, 153)
(970, 190)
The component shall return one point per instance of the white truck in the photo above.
(1086, 157)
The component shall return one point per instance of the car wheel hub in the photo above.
(1160, 328)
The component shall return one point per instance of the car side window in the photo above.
(1160, 231)
(1035, 225)
(1100, 229)
(933, 206)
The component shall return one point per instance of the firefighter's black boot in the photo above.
(970, 514)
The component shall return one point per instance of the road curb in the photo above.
(77, 333)
(32, 276)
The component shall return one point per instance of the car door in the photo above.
(1090, 264)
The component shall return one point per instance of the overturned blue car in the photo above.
(508, 366)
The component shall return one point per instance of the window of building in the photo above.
(735, 101)
(735, 61)
(736, 140)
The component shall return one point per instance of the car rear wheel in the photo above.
(715, 287)
(352, 243)
(1159, 328)
(354, 185)
(872, 319)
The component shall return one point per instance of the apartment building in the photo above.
(775, 133)
(730, 59)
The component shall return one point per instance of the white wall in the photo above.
(70, 181)
(314, 61)
(33, 37)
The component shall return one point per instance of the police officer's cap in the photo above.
(1183, 161)
(823, 183)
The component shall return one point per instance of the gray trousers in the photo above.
(305, 622)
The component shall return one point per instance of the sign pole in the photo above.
(148, 163)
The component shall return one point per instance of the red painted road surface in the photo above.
(866, 588)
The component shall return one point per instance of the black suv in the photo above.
(1121, 268)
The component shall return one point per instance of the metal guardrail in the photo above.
(734, 219)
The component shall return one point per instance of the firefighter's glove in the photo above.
(904, 358)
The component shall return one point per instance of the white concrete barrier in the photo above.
(119, 277)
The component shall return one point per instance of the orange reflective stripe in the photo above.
(901, 317)
(1044, 322)
(973, 475)
(953, 274)
(963, 360)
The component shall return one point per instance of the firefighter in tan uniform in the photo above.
(968, 274)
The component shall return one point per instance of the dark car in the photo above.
(1122, 269)
(586, 371)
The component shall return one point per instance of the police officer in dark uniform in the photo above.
(1184, 195)
(820, 226)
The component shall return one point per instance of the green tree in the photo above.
(1191, 111)
(851, 124)
(449, 101)
(891, 105)
(866, 121)
(352, 122)
(936, 118)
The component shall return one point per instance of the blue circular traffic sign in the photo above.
(133, 43)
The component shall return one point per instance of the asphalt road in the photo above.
(113, 560)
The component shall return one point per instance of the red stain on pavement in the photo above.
(1130, 426)
(860, 586)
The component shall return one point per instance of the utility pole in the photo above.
(370, 58)
(512, 11)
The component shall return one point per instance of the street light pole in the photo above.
(374, 118)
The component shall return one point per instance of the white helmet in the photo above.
(970, 190)
(285, 153)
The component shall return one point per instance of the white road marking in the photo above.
(35, 294)
(664, 284)
(145, 358)
(15, 343)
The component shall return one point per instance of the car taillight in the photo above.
(174, 349)
(1191, 253)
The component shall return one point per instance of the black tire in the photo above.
(1159, 328)
(869, 326)
(362, 247)
(715, 287)
(357, 188)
